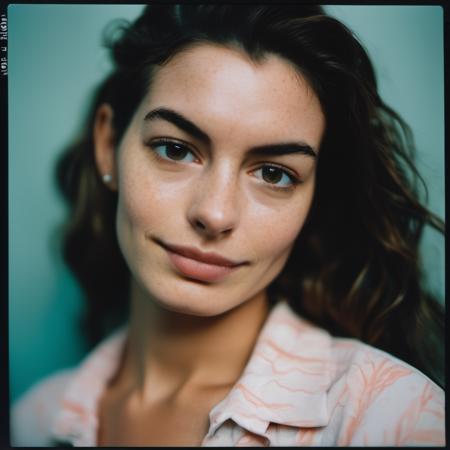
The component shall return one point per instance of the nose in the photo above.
(214, 209)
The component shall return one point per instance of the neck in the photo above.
(175, 350)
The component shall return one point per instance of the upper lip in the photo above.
(198, 255)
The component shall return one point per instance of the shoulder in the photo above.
(377, 399)
(33, 413)
(303, 386)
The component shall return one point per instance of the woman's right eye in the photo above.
(173, 151)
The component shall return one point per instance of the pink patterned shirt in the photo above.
(301, 387)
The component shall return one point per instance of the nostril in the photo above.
(200, 225)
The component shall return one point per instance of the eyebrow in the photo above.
(179, 121)
(189, 127)
(284, 149)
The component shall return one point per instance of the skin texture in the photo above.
(192, 338)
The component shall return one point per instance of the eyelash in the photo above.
(294, 180)
(170, 144)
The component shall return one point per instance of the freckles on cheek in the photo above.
(147, 201)
(279, 229)
(139, 205)
(136, 201)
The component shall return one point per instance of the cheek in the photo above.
(275, 230)
(138, 207)
(137, 203)
(278, 236)
(145, 200)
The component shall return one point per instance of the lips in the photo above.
(198, 265)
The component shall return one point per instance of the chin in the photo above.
(191, 310)
(194, 308)
(191, 298)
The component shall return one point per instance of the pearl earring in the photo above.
(107, 178)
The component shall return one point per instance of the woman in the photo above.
(242, 204)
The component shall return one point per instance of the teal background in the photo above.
(55, 60)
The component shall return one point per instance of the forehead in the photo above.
(223, 84)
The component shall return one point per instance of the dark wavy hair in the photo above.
(355, 268)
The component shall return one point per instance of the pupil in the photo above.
(176, 152)
(271, 174)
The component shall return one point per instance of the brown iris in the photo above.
(176, 152)
(272, 174)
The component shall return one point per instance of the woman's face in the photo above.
(215, 178)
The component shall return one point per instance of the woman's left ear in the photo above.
(104, 146)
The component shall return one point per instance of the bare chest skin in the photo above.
(166, 422)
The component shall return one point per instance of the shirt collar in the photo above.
(285, 382)
(286, 379)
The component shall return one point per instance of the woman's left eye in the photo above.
(173, 151)
(275, 176)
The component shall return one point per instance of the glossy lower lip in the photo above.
(198, 266)
(198, 270)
